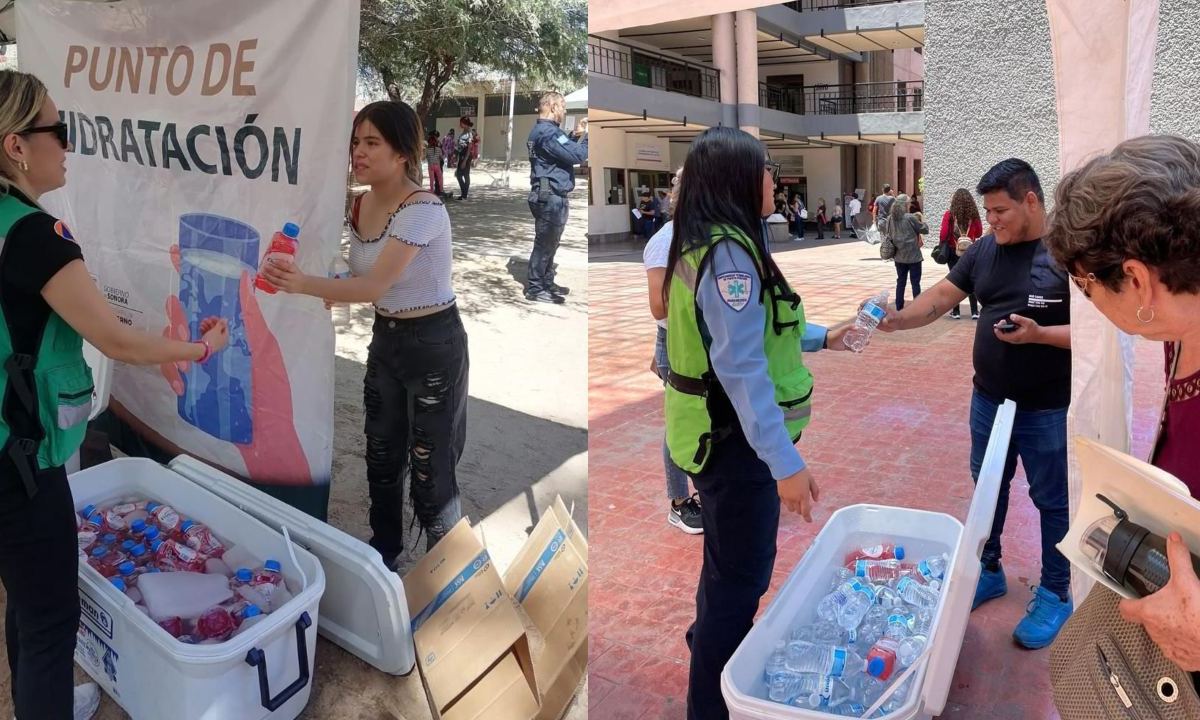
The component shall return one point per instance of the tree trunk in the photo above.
(439, 69)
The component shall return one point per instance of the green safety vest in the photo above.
(698, 412)
(54, 386)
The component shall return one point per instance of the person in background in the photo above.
(448, 148)
(905, 229)
(882, 206)
(795, 213)
(462, 152)
(738, 393)
(1022, 352)
(853, 207)
(646, 207)
(1126, 226)
(684, 511)
(476, 144)
(821, 219)
(837, 219)
(553, 155)
(662, 210)
(433, 161)
(961, 220)
(49, 304)
(415, 388)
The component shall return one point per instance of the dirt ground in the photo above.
(527, 421)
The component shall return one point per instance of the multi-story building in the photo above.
(833, 87)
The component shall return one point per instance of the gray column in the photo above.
(725, 60)
(747, 70)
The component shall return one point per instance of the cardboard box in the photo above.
(549, 578)
(471, 643)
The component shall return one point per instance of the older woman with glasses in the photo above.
(1126, 226)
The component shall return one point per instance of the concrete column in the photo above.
(725, 60)
(747, 70)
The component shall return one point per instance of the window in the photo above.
(901, 177)
(614, 186)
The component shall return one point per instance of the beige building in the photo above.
(834, 87)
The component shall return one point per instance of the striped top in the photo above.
(433, 155)
(426, 282)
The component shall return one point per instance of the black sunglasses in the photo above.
(59, 130)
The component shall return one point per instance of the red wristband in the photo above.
(207, 351)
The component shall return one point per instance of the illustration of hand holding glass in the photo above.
(243, 396)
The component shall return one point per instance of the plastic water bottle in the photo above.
(823, 659)
(165, 517)
(870, 315)
(339, 269)
(252, 617)
(215, 624)
(831, 693)
(790, 688)
(922, 621)
(883, 571)
(899, 697)
(841, 576)
(910, 649)
(851, 614)
(881, 551)
(140, 556)
(899, 626)
(887, 598)
(916, 594)
(934, 567)
(776, 662)
(831, 604)
(283, 249)
(199, 537)
(881, 660)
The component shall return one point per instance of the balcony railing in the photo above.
(900, 96)
(802, 5)
(650, 69)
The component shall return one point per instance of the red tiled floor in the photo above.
(910, 389)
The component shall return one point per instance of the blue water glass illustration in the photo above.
(214, 252)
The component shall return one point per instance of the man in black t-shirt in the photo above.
(1022, 353)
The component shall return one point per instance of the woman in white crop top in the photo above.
(415, 390)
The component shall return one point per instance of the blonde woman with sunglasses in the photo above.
(49, 304)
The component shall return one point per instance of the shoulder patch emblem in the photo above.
(562, 140)
(735, 289)
(60, 229)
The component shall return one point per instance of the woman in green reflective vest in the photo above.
(738, 393)
(47, 302)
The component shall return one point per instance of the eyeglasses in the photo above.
(773, 168)
(1083, 282)
(59, 130)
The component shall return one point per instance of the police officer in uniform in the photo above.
(553, 155)
(738, 392)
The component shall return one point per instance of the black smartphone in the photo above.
(1006, 326)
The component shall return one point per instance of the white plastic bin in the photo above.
(922, 533)
(265, 672)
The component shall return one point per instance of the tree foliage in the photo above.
(417, 47)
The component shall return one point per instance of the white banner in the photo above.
(199, 129)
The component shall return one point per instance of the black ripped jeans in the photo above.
(415, 397)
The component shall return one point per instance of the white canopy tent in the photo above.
(578, 100)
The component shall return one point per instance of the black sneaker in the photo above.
(560, 290)
(686, 516)
(547, 297)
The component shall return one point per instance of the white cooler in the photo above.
(266, 672)
(922, 533)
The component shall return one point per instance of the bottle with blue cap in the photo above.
(251, 616)
(137, 529)
(282, 250)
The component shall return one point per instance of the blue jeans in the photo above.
(677, 479)
(1039, 438)
(904, 271)
(739, 503)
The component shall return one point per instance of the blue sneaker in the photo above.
(991, 586)
(1043, 619)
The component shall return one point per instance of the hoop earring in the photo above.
(1142, 320)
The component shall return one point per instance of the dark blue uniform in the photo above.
(552, 157)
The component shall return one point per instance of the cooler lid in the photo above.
(364, 609)
(1154, 499)
(947, 638)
